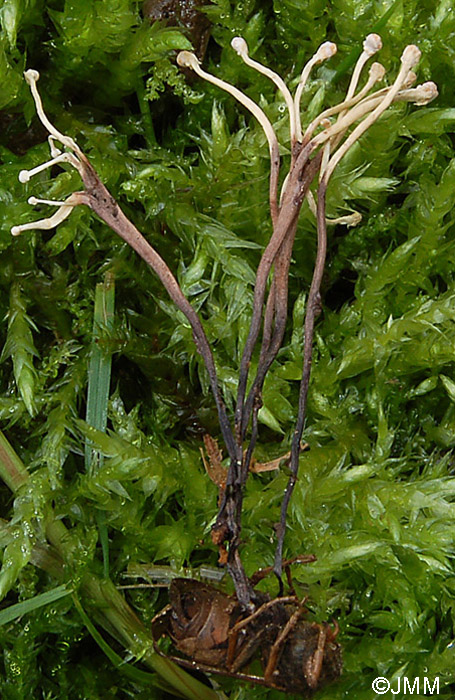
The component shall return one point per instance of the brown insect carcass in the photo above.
(216, 635)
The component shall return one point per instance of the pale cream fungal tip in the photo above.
(426, 93)
(16, 230)
(32, 200)
(327, 50)
(410, 79)
(372, 44)
(24, 176)
(377, 71)
(31, 76)
(411, 55)
(239, 45)
(356, 218)
(186, 59)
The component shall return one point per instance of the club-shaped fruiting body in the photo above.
(71, 156)
(362, 107)
(31, 77)
(358, 110)
(186, 59)
(26, 175)
(354, 115)
(64, 210)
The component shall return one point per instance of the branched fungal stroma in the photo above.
(315, 153)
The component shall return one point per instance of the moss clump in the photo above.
(375, 498)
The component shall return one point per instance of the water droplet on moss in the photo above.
(15, 669)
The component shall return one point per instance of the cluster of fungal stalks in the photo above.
(316, 150)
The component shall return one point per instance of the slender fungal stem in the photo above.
(312, 153)
(278, 303)
(297, 186)
(186, 59)
(325, 51)
(377, 72)
(241, 47)
(99, 199)
(312, 311)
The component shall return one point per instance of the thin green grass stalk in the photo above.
(104, 541)
(127, 669)
(185, 688)
(115, 615)
(12, 612)
(99, 373)
(144, 106)
(99, 379)
(110, 609)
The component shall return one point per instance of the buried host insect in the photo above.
(212, 630)
(216, 632)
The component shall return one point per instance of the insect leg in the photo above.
(314, 665)
(277, 646)
(232, 663)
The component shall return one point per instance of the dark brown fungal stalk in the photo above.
(310, 155)
(221, 633)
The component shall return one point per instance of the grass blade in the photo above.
(12, 612)
(99, 373)
(99, 379)
(136, 674)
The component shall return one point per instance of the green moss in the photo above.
(376, 492)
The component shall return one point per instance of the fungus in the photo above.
(314, 157)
